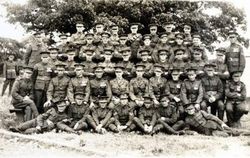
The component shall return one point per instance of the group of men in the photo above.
(105, 81)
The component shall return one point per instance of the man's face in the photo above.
(144, 58)
(158, 72)
(53, 54)
(232, 39)
(99, 28)
(105, 39)
(118, 73)
(45, 59)
(99, 73)
(139, 72)
(63, 39)
(11, 57)
(71, 56)
(187, 30)
(175, 77)
(79, 72)
(79, 27)
(108, 56)
(102, 104)
(60, 71)
(115, 30)
(164, 102)
(147, 42)
(79, 101)
(191, 75)
(61, 107)
(164, 39)
(134, 28)
(179, 41)
(190, 111)
(89, 56)
(123, 41)
(179, 56)
(89, 40)
(220, 58)
(168, 27)
(236, 78)
(153, 30)
(197, 56)
(196, 41)
(163, 57)
(147, 105)
(210, 72)
(126, 56)
(38, 37)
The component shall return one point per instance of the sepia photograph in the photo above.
(124, 78)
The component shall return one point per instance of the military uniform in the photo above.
(157, 87)
(119, 87)
(213, 87)
(235, 104)
(42, 76)
(21, 89)
(10, 74)
(138, 87)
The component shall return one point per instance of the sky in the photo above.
(17, 32)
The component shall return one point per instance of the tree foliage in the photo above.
(61, 15)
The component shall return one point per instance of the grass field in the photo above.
(122, 144)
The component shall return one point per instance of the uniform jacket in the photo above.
(191, 91)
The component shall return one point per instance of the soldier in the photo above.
(197, 43)
(99, 28)
(167, 118)
(236, 95)
(58, 86)
(9, 73)
(53, 57)
(118, 85)
(146, 117)
(45, 122)
(31, 56)
(157, 84)
(71, 53)
(22, 94)
(99, 87)
(187, 28)
(89, 44)
(79, 84)
(138, 86)
(235, 58)
(123, 115)
(42, 76)
(100, 116)
(179, 45)
(134, 38)
(178, 60)
(197, 61)
(213, 91)
(146, 45)
(173, 90)
(108, 64)
(191, 89)
(153, 28)
(129, 70)
(89, 64)
(78, 111)
(204, 123)
(221, 66)
(114, 38)
(63, 44)
(148, 71)
(163, 59)
(105, 43)
(79, 36)
(123, 42)
(168, 27)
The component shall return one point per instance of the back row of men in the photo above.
(149, 74)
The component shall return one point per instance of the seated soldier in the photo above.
(167, 118)
(46, 121)
(204, 123)
(123, 115)
(148, 70)
(191, 88)
(22, 94)
(146, 117)
(178, 60)
(99, 116)
(236, 95)
(213, 90)
(78, 112)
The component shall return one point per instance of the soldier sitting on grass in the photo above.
(100, 116)
(147, 116)
(46, 121)
(167, 118)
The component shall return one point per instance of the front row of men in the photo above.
(150, 106)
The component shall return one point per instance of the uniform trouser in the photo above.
(217, 106)
(27, 103)
(10, 82)
(139, 124)
(93, 124)
(235, 111)
(112, 125)
(40, 98)
(168, 128)
(82, 125)
(64, 127)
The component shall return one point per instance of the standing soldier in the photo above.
(114, 38)
(146, 45)
(53, 57)
(42, 76)
(236, 95)
(221, 66)
(157, 85)
(31, 56)
(58, 86)
(148, 70)
(235, 58)
(79, 84)
(118, 85)
(138, 86)
(22, 94)
(9, 73)
(99, 87)
(123, 42)
(63, 44)
(191, 89)
(187, 28)
(168, 27)
(89, 44)
(153, 28)
(213, 91)
(99, 28)
(79, 36)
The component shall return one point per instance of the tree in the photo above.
(61, 15)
